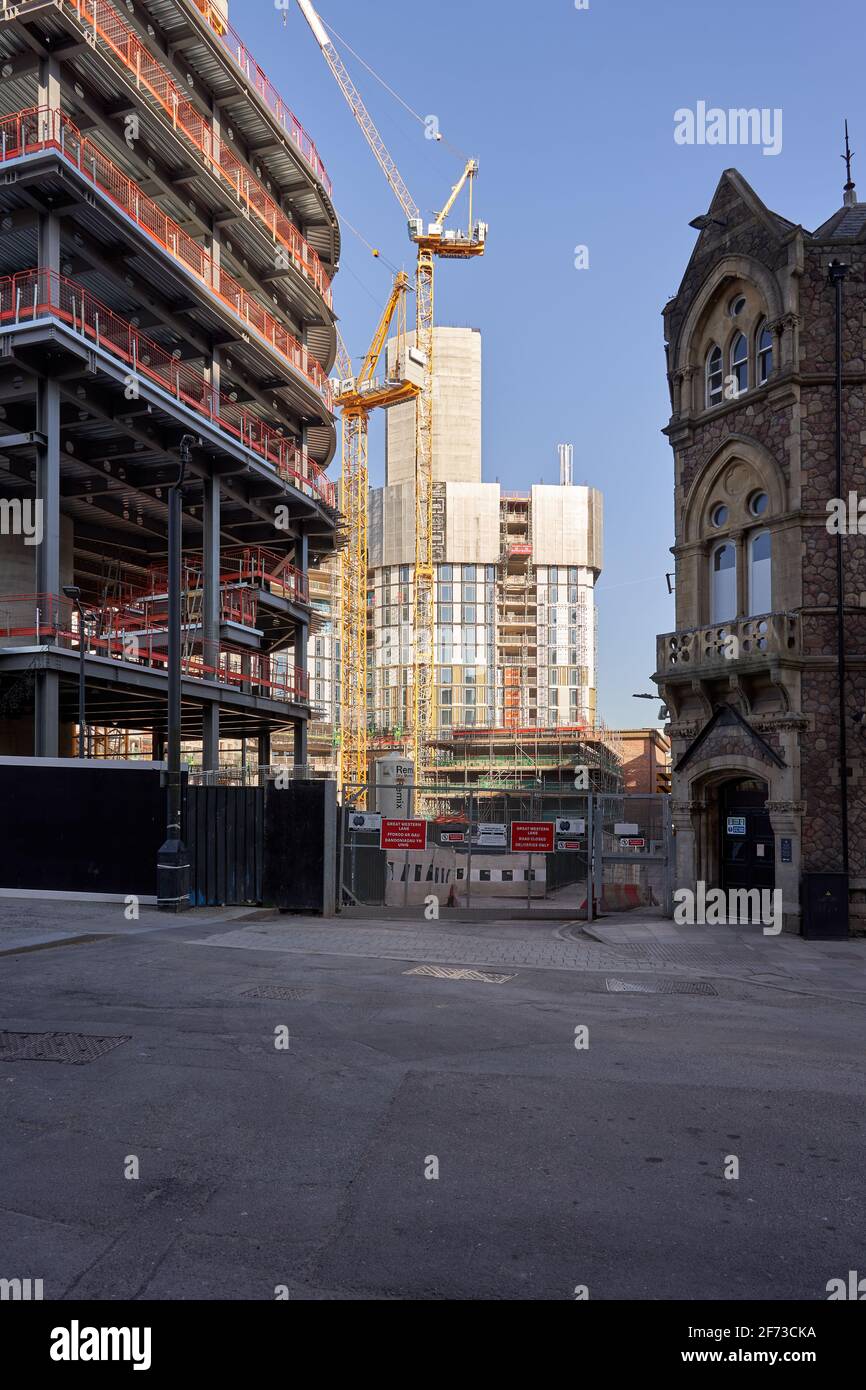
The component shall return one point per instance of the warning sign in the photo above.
(403, 834)
(453, 837)
(632, 842)
(569, 844)
(532, 836)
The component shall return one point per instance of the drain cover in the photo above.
(276, 992)
(442, 972)
(74, 1048)
(614, 986)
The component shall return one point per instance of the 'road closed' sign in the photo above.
(532, 836)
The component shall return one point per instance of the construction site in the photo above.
(166, 260)
(169, 243)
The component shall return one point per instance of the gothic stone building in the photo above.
(750, 675)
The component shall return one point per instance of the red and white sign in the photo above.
(403, 834)
(633, 842)
(532, 836)
(569, 844)
(453, 837)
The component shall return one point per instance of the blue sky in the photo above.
(571, 115)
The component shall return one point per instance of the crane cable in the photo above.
(396, 95)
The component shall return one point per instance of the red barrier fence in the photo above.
(43, 128)
(49, 619)
(34, 294)
(100, 19)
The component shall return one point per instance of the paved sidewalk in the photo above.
(27, 924)
(649, 945)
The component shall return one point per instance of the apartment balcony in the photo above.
(741, 644)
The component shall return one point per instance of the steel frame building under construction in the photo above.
(168, 243)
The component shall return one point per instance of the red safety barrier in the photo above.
(44, 127)
(265, 88)
(100, 19)
(33, 294)
(123, 635)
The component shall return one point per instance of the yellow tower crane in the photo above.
(356, 397)
(431, 241)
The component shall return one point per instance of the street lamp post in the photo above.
(173, 866)
(73, 592)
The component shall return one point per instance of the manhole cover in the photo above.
(443, 972)
(276, 992)
(614, 986)
(74, 1048)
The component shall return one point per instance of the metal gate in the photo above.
(224, 829)
(632, 861)
(467, 862)
(477, 853)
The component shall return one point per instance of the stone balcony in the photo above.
(746, 642)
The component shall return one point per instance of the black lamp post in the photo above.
(73, 592)
(173, 866)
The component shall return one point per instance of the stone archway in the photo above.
(698, 834)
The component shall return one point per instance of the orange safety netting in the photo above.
(41, 293)
(101, 20)
(44, 127)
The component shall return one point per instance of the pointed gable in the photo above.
(725, 735)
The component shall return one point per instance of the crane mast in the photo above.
(355, 398)
(431, 241)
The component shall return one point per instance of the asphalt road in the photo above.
(305, 1167)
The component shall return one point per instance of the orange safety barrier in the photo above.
(33, 294)
(49, 620)
(45, 127)
(265, 88)
(102, 20)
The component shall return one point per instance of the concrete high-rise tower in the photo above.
(456, 413)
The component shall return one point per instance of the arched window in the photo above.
(740, 362)
(714, 376)
(760, 574)
(764, 344)
(723, 583)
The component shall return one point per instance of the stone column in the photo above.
(786, 818)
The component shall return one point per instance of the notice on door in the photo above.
(736, 825)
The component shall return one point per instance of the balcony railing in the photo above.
(254, 564)
(101, 20)
(754, 640)
(45, 128)
(51, 620)
(262, 84)
(34, 294)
